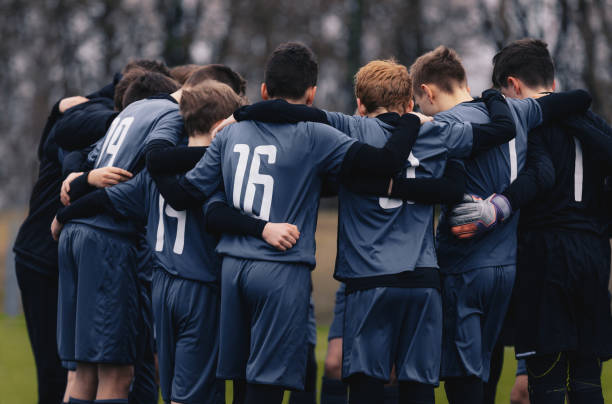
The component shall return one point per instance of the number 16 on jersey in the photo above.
(255, 178)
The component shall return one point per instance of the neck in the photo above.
(177, 95)
(200, 139)
(376, 112)
(449, 100)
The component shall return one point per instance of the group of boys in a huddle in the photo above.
(187, 219)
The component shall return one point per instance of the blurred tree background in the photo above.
(55, 48)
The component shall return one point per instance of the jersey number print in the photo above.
(180, 216)
(113, 140)
(255, 178)
(391, 203)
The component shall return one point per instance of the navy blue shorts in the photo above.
(187, 324)
(393, 326)
(264, 322)
(475, 305)
(335, 330)
(98, 308)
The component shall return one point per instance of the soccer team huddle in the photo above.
(186, 230)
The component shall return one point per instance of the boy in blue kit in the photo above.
(100, 313)
(478, 275)
(387, 285)
(275, 172)
(186, 282)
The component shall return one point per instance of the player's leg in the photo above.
(547, 376)
(584, 380)
(371, 333)
(85, 382)
(497, 363)
(419, 350)
(164, 332)
(278, 312)
(519, 393)
(39, 297)
(462, 340)
(309, 395)
(107, 309)
(234, 329)
(70, 367)
(145, 386)
(333, 389)
(195, 306)
(114, 382)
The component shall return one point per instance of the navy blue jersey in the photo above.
(124, 143)
(378, 236)
(273, 172)
(489, 172)
(179, 239)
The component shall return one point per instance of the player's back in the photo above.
(576, 201)
(486, 173)
(379, 236)
(124, 143)
(274, 172)
(180, 242)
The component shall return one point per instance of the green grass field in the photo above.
(18, 380)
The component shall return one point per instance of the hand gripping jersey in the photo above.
(179, 239)
(124, 144)
(489, 172)
(273, 172)
(378, 236)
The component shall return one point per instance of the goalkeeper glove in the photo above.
(474, 216)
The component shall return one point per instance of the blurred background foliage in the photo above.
(55, 48)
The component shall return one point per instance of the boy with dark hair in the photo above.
(181, 73)
(264, 325)
(149, 65)
(563, 303)
(186, 282)
(478, 274)
(147, 85)
(220, 73)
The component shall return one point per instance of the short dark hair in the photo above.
(147, 85)
(221, 73)
(206, 103)
(123, 84)
(527, 59)
(291, 70)
(441, 66)
(149, 65)
(181, 73)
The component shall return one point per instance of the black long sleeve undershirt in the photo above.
(595, 134)
(84, 124)
(448, 189)
(361, 159)
(557, 106)
(501, 128)
(92, 204)
(221, 218)
(537, 176)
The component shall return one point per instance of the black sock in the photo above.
(416, 393)
(263, 393)
(391, 394)
(464, 390)
(309, 395)
(366, 390)
(333, 391)
(77, 401)
(239, 387)
(547, 378)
